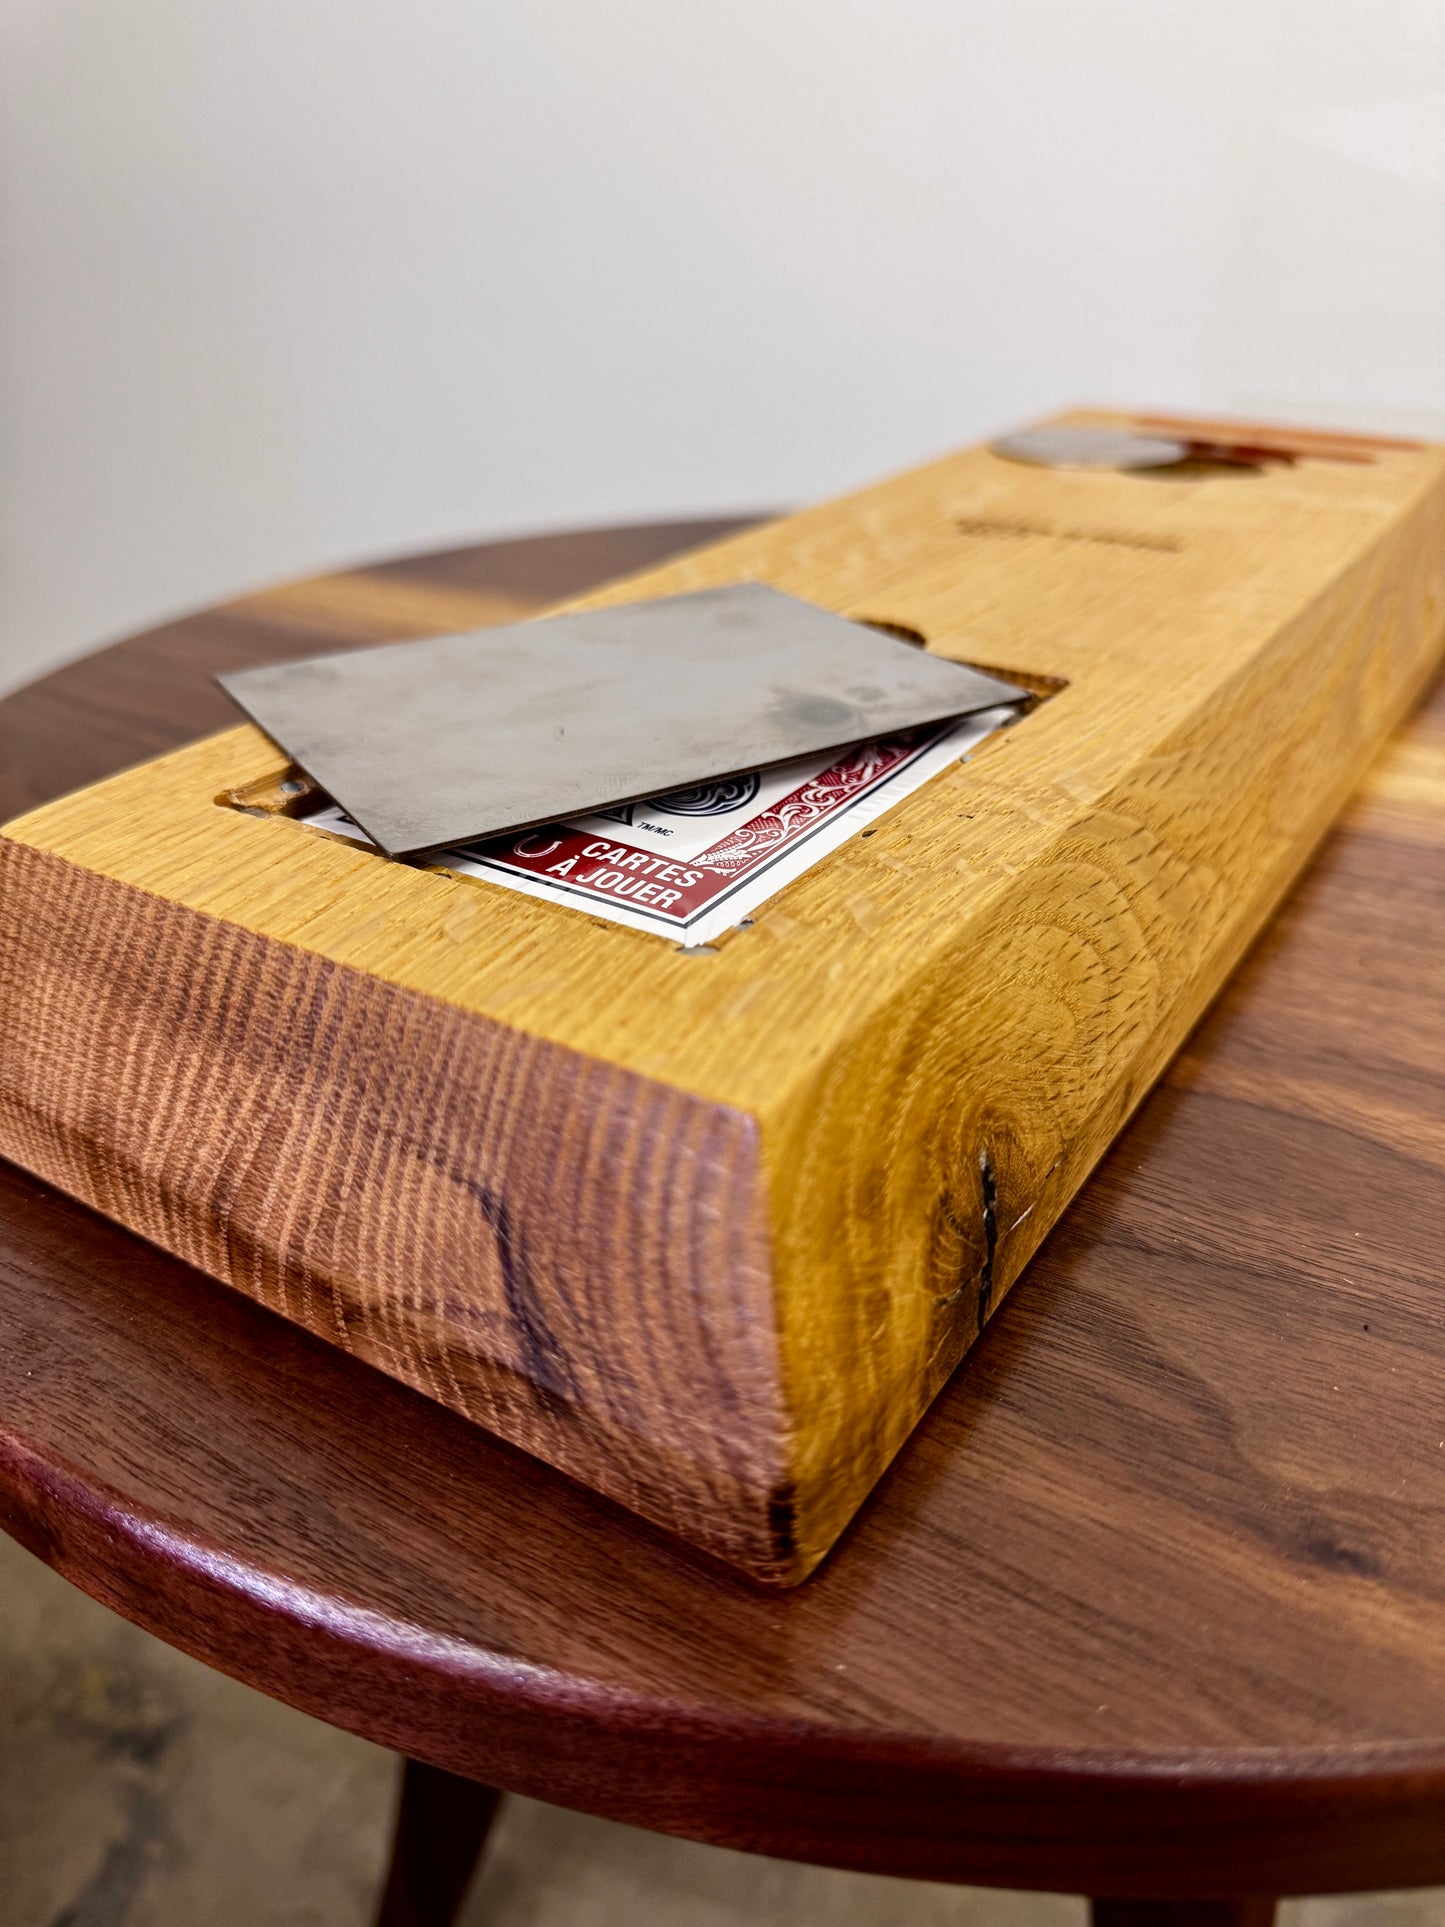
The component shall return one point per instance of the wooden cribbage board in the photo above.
(709, 1231)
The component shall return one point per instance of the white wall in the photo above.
(294, 282)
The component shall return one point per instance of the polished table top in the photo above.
(1154, 1600)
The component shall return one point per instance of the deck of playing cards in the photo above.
(697, 861)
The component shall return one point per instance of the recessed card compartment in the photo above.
(692, 864)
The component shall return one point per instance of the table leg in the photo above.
(1256, 1911)
(442, 1824)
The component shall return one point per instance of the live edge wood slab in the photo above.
(710, 1232)
(1154, 1602)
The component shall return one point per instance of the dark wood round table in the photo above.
(1151, 1606)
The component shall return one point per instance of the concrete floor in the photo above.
(139, 1789)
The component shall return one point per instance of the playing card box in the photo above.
(691, 1145)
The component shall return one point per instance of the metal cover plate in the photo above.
(435, 743)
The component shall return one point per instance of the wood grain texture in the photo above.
(711, 1233)
(1153, 1603)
